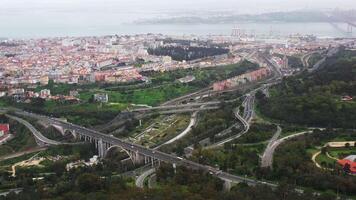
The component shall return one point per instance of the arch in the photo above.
(69, 132)
(58, 128)
(117, 146)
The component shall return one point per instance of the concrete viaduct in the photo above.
(137, 153)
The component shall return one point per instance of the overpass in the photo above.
(166, 107)
(137, 153)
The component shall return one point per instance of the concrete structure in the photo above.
(137, 153)
(103, 98)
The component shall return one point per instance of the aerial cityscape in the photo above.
(161, 100)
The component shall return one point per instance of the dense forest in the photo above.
(85, 183)
(315, 98)
(187, 53)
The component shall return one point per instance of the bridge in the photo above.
(180, 106)
(137, 153)
(342, 18)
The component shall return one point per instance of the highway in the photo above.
(245, 120)
(187, 110)
(319, 64)
(267, 157)
(188, 105)
(145, 151)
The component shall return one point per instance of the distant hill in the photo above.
(294, 16)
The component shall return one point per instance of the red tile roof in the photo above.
(343, 162)
(5, 128)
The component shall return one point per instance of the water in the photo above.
(53, 24)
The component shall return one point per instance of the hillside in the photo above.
(316, 99)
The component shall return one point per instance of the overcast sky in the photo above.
(241, 6)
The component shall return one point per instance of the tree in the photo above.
(88, 182)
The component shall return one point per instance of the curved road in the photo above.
(38, 135)
(164, 157)
(267, 157)
(245, 120)
(140, 181)
(192, 123)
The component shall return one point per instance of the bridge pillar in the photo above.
(227, 185)
(136, 157)
(100, 147)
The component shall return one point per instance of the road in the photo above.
(319, 64)
(245, 120)
(140, 181)
(38, 135)
(188, 105)
(187, 110)
(267, 157)
(145, 151)
(192, 123)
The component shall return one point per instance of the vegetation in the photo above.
(236, 159)
(23, 139)
(315, 99)
(258, 133)
(210, 124)
(88, 183)
(316, 57)
(292, 163)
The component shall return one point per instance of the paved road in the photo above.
(267, 157)
(192, 123)
(188, 110)
(145, 151)
(245, 120)
(140, 181)
(319, 64)
(188, 105)
(38, 135)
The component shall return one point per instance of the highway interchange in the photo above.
(176, 104)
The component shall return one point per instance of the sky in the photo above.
(240, 6)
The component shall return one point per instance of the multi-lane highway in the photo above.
(244, 120)
(167, 107)
(158, 155)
